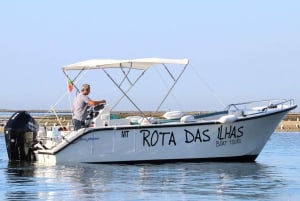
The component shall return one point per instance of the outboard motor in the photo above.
(20, 135)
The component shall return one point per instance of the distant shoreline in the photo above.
(290, 123)
(33, 111)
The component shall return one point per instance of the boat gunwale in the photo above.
(257, 116)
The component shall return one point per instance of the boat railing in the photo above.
(256, 107)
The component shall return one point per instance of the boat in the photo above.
(236, 134)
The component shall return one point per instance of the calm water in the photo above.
(274, 176)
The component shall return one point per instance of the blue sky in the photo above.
(238, 50)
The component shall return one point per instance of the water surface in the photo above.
(274, 176)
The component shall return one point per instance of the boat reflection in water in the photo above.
(181, 181)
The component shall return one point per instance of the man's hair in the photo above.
(85, 86)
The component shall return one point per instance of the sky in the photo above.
(238, 50)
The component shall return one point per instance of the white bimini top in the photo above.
(141, 64)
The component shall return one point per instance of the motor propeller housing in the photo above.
(20, 136)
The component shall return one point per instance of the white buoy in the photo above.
(228, 118)
(173, 115)
(187, 118)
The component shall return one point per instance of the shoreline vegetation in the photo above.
(290, 123)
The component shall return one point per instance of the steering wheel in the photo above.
(98, 107)
(93, 111)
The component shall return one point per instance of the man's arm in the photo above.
(94, 103)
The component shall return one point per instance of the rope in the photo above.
(208, 86)
(167, 87)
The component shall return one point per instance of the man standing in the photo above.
(80, 106)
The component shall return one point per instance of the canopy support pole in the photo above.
(132, 84)
(175, 82)
(124, 93)
(77, 90)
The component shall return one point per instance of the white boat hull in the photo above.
(241, 140)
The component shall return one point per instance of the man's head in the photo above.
(85, 89)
